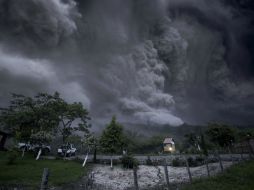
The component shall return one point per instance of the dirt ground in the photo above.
(148, 176)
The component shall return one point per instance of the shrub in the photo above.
(177, 162)
(129, 162)
(193, 162)
(213, 160)
(149, 162)
(12, 157)
(200, 160)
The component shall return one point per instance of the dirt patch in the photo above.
(149, 176)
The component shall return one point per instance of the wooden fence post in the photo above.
(90, 181)
(242, 153)
(166, 174)
(135, 178)
(44, 181)
(250, 150)
(84, 163)
(221, 165)
(207, 166)
(23, 152)
(95, 154)
(231, 154)
(111, 162)
(39, 154)
(188, 168)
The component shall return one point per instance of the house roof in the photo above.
(168, 141)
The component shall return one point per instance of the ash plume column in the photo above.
(161, 62)
(216, 72)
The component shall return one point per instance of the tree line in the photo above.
(40, 118)
(216, 137)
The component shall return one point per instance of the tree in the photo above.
(30, 119)
(68, 113)
(112, 138)
(132, 142)
(91, 142)
(39, 118)
(221, 135)
(203, 145)
(27, 115)
(39, 139)
(246, 135)
(192, 140)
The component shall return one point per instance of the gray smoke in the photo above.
(218, 84)
(150, 62)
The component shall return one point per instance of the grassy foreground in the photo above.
(28, 171)
(238, 177)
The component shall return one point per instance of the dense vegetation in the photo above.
(41, 117)
(189, 139)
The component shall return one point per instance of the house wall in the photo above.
(168, 146)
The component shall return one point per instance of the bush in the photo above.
(12, 156)
(177, 162)
(149, 162)
(200, 160)
(193, 162)
(129, 162)
(213, 160)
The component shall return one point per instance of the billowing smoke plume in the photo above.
(151, 62)
(213, 76)
(38, 21)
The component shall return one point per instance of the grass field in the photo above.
(28, 171)
(238, 177)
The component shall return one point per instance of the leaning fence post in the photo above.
(39, 154)
(135, 178)
(166, 174)
(44, 181)
(84, 163)
(188, 168)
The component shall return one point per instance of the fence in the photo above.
(175, 186)
(88, 182)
